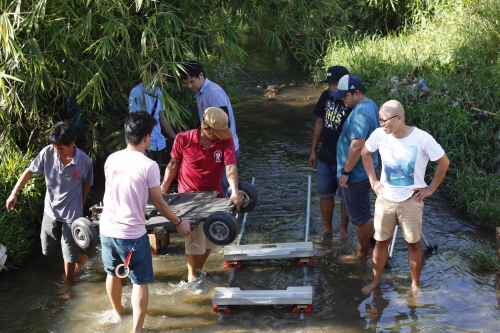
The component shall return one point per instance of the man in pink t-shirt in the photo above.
(131, 177)
(198, 158)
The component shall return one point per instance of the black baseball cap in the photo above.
(334, 74)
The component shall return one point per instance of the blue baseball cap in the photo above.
(347, 83)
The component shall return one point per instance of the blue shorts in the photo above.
(356, 201)
(115, 251)
(326, 179)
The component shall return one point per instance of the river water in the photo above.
(275, 136)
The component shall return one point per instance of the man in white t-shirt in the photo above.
(130, 178)
(405, 152)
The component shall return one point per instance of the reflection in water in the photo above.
(275, 140)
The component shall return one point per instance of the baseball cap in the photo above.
(347, 83)
(217, 120)
(334, 74)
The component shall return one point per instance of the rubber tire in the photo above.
(220, 228)
(248, 194)
(84, 233)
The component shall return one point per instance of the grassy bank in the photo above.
(18, 228)
(457, 52)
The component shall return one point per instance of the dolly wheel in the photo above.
(309, 262)
(222, 309)
(236, 264)
(306, 308)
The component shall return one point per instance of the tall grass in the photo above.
(457, 51)
(17, 228)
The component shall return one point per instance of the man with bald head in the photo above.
(405, 151)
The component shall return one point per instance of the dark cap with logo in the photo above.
(334, 74)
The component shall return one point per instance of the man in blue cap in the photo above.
(331, 114)
(353, 180)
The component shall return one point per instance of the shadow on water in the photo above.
(275, 138)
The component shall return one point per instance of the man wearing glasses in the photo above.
(198, 158)
(353, 180)
(405, 152)
(208, 94)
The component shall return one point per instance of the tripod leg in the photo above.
(428, 245)
(391, 246)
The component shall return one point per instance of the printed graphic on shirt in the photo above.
(333, 115)
(399, 165)
(218, 156)
(74, 173)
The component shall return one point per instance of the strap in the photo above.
(154, 108)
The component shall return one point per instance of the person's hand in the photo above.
(11, 202)
(378, 187)
(185, 227)
(343, 181)
(419, 194)
(313, 160)
(235, 199)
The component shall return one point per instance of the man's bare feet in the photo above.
(414, 291)
(351, 258)
(343, 233)
(369, 287)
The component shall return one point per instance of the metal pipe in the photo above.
(391, 246)
(308, 211)
(231, 276)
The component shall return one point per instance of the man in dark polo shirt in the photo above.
(198, 156)
(68, 176)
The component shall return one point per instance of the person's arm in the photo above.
(422, 193)
(317, 133)
(367, 159)
(12, 199)
(183, 226)
(352, 158)
(232, 179)
(85, 192)
(165, 125)
(170, 173)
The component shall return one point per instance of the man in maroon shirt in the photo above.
(198, 158)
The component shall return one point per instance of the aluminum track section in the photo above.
(236, 296)
(268, 251)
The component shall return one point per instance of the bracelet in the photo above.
(345, 173)
(180, 221)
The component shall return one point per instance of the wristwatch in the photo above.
(345, 173)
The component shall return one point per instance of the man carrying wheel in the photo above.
(68, 175)
(131, 177)
(198, 157)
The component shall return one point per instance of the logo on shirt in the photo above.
(218, 156)
(74, 173)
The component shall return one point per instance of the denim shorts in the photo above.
(56, 237)
(356, 201)
(326, 179)
(115, 251)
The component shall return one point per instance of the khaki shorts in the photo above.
(388, 213)
(197, 243)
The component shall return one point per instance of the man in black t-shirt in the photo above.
(331, 115)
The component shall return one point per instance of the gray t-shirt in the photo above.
(63, 198)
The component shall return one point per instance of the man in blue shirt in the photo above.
(208, 94)
(353, 180)
(142, 97)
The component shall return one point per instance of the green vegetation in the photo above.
(456, 50)
(484, 257)
(17, 229)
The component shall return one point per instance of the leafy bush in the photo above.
(18, 227)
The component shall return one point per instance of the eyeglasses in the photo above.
(190, 83)
(383, 121)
